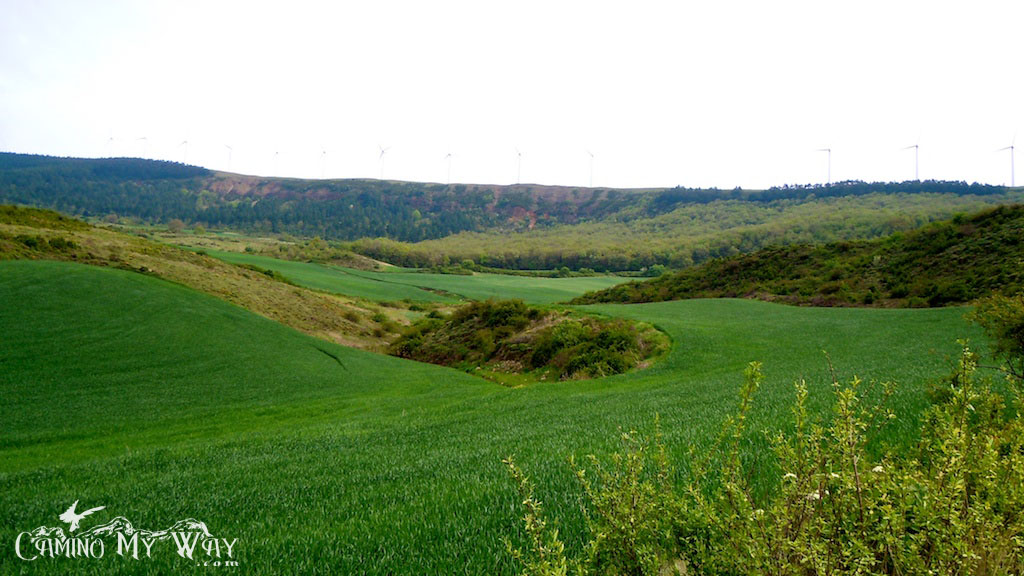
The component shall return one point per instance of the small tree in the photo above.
(175, 226)
(1002, 317)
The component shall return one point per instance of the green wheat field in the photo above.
(160, 403)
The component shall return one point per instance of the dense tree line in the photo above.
(669, 199)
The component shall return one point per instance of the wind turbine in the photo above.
(915, 147)
(1011, 148)
(275, 161)
(448, 157)
(829, 150)
(145, 145)
(323, 163)
(110, 146)
(383, 151)
(591, 154)
(184, 154)
(519, 165)
(230, 151)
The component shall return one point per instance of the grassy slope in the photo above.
(481, 286)
(334, 279)
(951, 261)
(161, 403)
(26, 233)
(391, 286)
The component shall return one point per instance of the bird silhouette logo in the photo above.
(73, 518)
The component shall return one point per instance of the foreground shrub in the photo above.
(952, 505)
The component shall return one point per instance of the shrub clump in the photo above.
(510, 336)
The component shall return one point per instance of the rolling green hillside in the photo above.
(413, 285)
(481, 286)
(947, 262)
(161, 403)
(29, 233)
(334, 279)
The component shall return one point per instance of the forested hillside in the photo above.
(511, 227)
(155, 192)
(946, 262)
(693, 233)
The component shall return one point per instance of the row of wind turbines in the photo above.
(917, 157)
(183, 146)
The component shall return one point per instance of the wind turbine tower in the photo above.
(383, 150)
(829, 150)
(591, 154)
(448, 157)
(519, 165)
(916, 148)
(1011, 147)
(230, 151)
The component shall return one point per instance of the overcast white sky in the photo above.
(713, 93)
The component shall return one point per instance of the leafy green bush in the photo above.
(62, 244)
(274, 274)
(566, 335)
(953, 505)
(1002, 317)
(508, 335)
(33, 242)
